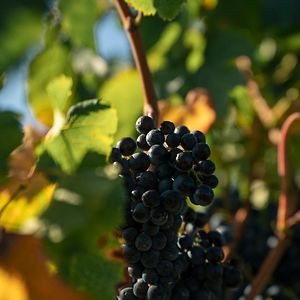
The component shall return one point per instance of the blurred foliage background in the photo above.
(228, 68)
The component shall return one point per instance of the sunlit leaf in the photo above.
(145, 6)
(129, 104)
(90, 127)
(168, 9)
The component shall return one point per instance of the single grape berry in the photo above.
(215, 238)
(197, 255)
(135, 271)
(142, 143)
(213, 271)
(206, 167)
(159, 241)
(115, 155)
(150, 258)
(185, 184)
(143, 242)
(173, 154)
(151, 198)
(171, 201)
(157, 154)
(155, 137)
(173, 140)
(184, 161)
(144, 124)
(211, 180)
(148, 180)
(214, 254)
(185, 242)
(140, 289)
(164, 170)
(156, 292)
(200, 136)
(150, 276)
(127, 146)
(170, 252)
(181, 130)
(188, 141)
(129, 234)
(159, 215)
(203, 195)
(164, 268)
(131, 254)
(200, 151)
(165, 184)
(167, 127)
(139, 162)
(141, 213)
(150, 228)
(127, 294)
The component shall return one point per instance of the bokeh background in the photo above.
(228, 68)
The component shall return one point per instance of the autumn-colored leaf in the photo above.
(24, 272)
(197, 112)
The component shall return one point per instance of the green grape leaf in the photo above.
(95, 275)
(10, 137)
(41, 73)
(145, 6)
(59, 91)
(168, 9)
(90, 126)
(129, 105)
(78, 21)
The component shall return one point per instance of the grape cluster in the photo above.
(169, 256)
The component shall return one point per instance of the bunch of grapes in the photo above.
(169, 255)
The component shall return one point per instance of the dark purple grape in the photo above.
(156, 292)
(181, 130)
(159, 215)
(167, 127)
(211, 180)
(197, 255)
(144, 124)
(165, 184)
(215, 238)
(127, 294)
(126, 146)
(201, 219)
(203, 195)
(143, 242)
(135, 271)
(180, 292)
(173, 154)
(188, 141)
(215, 254)
(164, 170)
(140, 289)
(129, 234)
(213, 271)
(131, 254)
(158, 154)
(171, 201)
(200, 136)
(123, 166)
(185, 184)
(206, 167)
(139, 162)
(150, 276)
(150, 228)
(170, 252)
(151, 198)
(232, 277)
(164, 268)
(185, 242)
(201, 151)
(159, 241)
(155, 137)
(173, 140)
(142, 143)
(184, 161)
(141, 213)
(115, 155)
(148, 180)
(150, 258)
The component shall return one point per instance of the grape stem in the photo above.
(283, 207)
(130, 25)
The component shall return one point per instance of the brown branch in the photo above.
(267, 268)
(135, 39)
(283, 206)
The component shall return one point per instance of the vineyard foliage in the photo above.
(228, 68)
